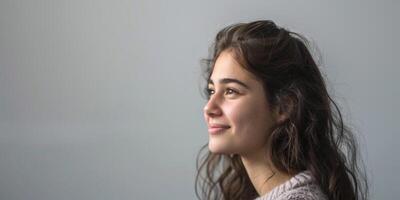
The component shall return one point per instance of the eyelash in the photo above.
(209, 91)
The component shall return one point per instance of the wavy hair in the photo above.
(314, 136)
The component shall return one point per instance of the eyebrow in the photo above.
(229, 80)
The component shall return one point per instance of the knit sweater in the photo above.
(300, 187)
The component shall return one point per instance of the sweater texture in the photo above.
(300, 187)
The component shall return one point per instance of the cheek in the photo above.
(248, 118)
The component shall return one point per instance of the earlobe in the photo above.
(284, 110)
(281, 117)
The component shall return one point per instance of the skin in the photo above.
(246, 112)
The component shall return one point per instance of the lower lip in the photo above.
(216, 131)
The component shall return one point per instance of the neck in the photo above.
(262, 174)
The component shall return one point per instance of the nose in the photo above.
(212, 108)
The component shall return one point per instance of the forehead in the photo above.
(227, 67)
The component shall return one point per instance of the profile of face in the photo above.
(237, 113)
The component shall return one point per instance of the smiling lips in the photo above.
(217, 128)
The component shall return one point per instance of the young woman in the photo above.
(274, 131)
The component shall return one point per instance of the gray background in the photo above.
(101, 99)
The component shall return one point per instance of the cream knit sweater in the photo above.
(300, 187)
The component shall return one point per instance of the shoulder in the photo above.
(306, 192)
(305, 188)
(300, 187)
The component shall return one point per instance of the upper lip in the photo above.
(218, 126)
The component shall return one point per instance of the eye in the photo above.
(230, 91)
(210, 91)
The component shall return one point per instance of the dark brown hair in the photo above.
(314, 136)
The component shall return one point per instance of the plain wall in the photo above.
(102, 99)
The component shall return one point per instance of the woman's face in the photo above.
(237, 113)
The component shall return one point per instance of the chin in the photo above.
(216, 148)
